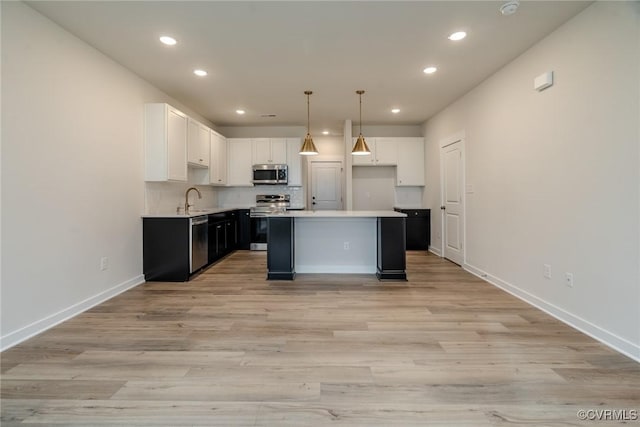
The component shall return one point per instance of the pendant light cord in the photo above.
(360, 95)
(308, 116)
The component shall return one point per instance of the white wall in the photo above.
(556, 174)
(262, 131)
(329, 145)
(370, 131)
(374, 187)
(72, 171)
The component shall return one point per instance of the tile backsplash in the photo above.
(246, 196)
(165, 197)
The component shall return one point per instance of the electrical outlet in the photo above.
(104, 263)
(568, 279)
(346, 246)
(547, 271)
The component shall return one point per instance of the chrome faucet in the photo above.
(186, 199)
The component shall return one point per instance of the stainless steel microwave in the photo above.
(270, 174)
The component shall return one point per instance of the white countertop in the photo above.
(409, 207)
(341, 214)
(193, 213)
(293, 213)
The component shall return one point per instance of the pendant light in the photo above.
(361, 148)
(308, 147)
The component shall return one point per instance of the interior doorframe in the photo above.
(309, 183)
(452, 139)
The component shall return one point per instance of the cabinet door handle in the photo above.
(443, 207)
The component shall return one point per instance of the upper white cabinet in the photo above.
(198, 136)
(407, 153)
(240, 155)
(294, 162)
(384, 152)
(165, 143)
(269, 150)
(410, 170)
(218, 159)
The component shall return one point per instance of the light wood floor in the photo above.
(230, 348)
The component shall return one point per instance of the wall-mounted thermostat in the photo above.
(543, 81)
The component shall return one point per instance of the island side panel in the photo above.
(335, 245)
(280, 248)
(391, 259)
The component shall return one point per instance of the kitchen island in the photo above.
(365, 242)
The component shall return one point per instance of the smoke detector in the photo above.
(510, 7)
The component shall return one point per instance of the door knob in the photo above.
(443, 207)
(314, 197)
(313, 203)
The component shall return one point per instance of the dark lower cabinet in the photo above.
(223, 234)
(244, 229)
(391, 253)
(231, 234)
(165, 249)
(166, 243)
(418, 233)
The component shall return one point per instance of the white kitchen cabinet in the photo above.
(410, 170)
(240, 160)
(383, 153)
(269, 150)
(294, 162)
(218, 160)
(198, 144)
(165, 143)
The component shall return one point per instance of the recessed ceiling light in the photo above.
(200, 73)
(457, 36)
(430, 70)
(325, 132)
(395, 110)
(510, 7)
(169, 41)
(241, 112)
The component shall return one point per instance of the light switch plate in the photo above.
(543, 81)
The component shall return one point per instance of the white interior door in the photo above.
(452, 202)
(326, 185)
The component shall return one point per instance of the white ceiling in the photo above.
(261, 56)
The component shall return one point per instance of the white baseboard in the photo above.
(435, 251)
(609, 339)
(336, 269)
(39, 326)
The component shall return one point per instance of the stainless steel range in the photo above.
(266, 204)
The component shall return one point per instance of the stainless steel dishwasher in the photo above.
(199, 238)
